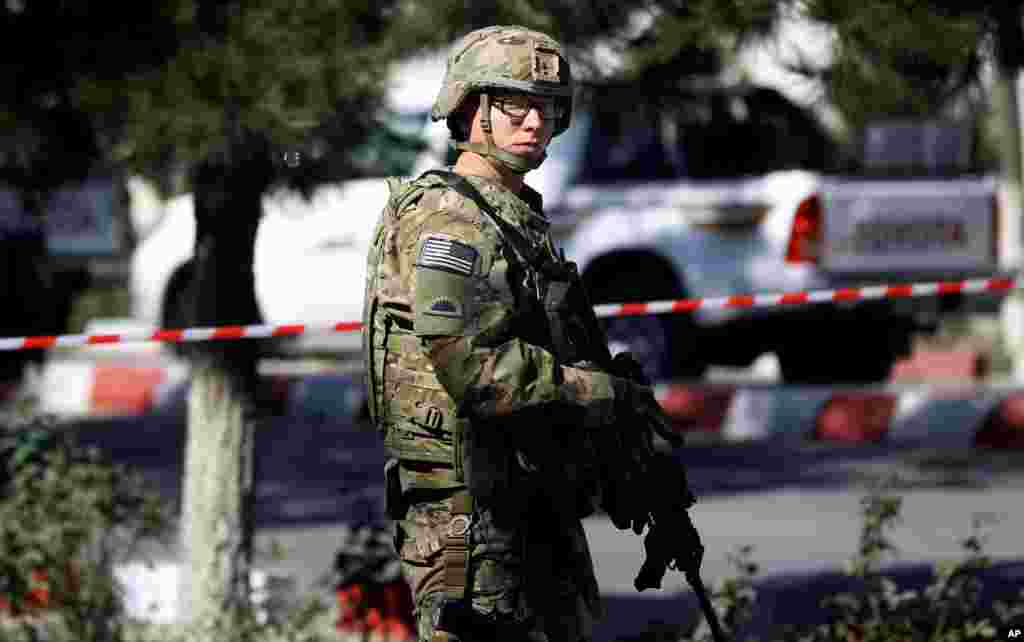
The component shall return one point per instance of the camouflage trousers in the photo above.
(530, 577)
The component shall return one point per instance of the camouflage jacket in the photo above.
(452, 390)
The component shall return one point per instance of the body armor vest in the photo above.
(407, 402)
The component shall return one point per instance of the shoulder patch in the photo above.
(448, 255)
(444, 307)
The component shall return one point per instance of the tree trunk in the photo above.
(224, 396)
(26, 286)
(217, 486)
(1009, 44)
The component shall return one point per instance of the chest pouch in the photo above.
(561, 323)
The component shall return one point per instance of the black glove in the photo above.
(626, 366)
(626, 450)
(635, 398)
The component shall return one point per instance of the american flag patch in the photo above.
(445, 254)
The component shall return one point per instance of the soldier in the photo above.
(490, 420)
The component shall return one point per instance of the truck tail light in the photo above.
(806, 235)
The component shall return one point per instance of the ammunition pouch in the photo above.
(563, 308)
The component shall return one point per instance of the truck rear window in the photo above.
(703, 135)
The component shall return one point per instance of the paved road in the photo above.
(796, 503)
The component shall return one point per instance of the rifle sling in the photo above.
(530, 254)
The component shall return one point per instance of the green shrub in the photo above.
(70, 514)
(947, 610)
(310, 622)
(98, 303)
(66, 517)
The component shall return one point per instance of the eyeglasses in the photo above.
(517, 107)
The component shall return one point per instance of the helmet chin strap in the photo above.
(514, 162)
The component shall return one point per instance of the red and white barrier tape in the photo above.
(907, 290)
(189, 335)
(185, 335)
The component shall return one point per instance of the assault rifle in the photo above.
(670, 535)
(672, 540)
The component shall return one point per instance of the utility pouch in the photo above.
(394, 502)
(453, 617)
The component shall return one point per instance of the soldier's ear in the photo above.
(460, 123)
(457, 129)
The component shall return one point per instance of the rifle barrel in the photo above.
(693, 577)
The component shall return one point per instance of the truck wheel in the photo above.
(666, 345)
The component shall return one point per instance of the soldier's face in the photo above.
(520, 124)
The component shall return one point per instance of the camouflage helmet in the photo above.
(505, 57)
(510, 58)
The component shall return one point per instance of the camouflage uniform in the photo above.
(470, 400)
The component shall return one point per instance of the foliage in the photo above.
(898, 59)
(735, 597)
(66, 517)
(279, 70)
(99, 303)
(47, 138)
(309, 622)
(170, 83)
(901, 59)
(698, 38)
(157, 87)
(948, 609)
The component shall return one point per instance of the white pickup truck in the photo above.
(718, 191)
(702, 192)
